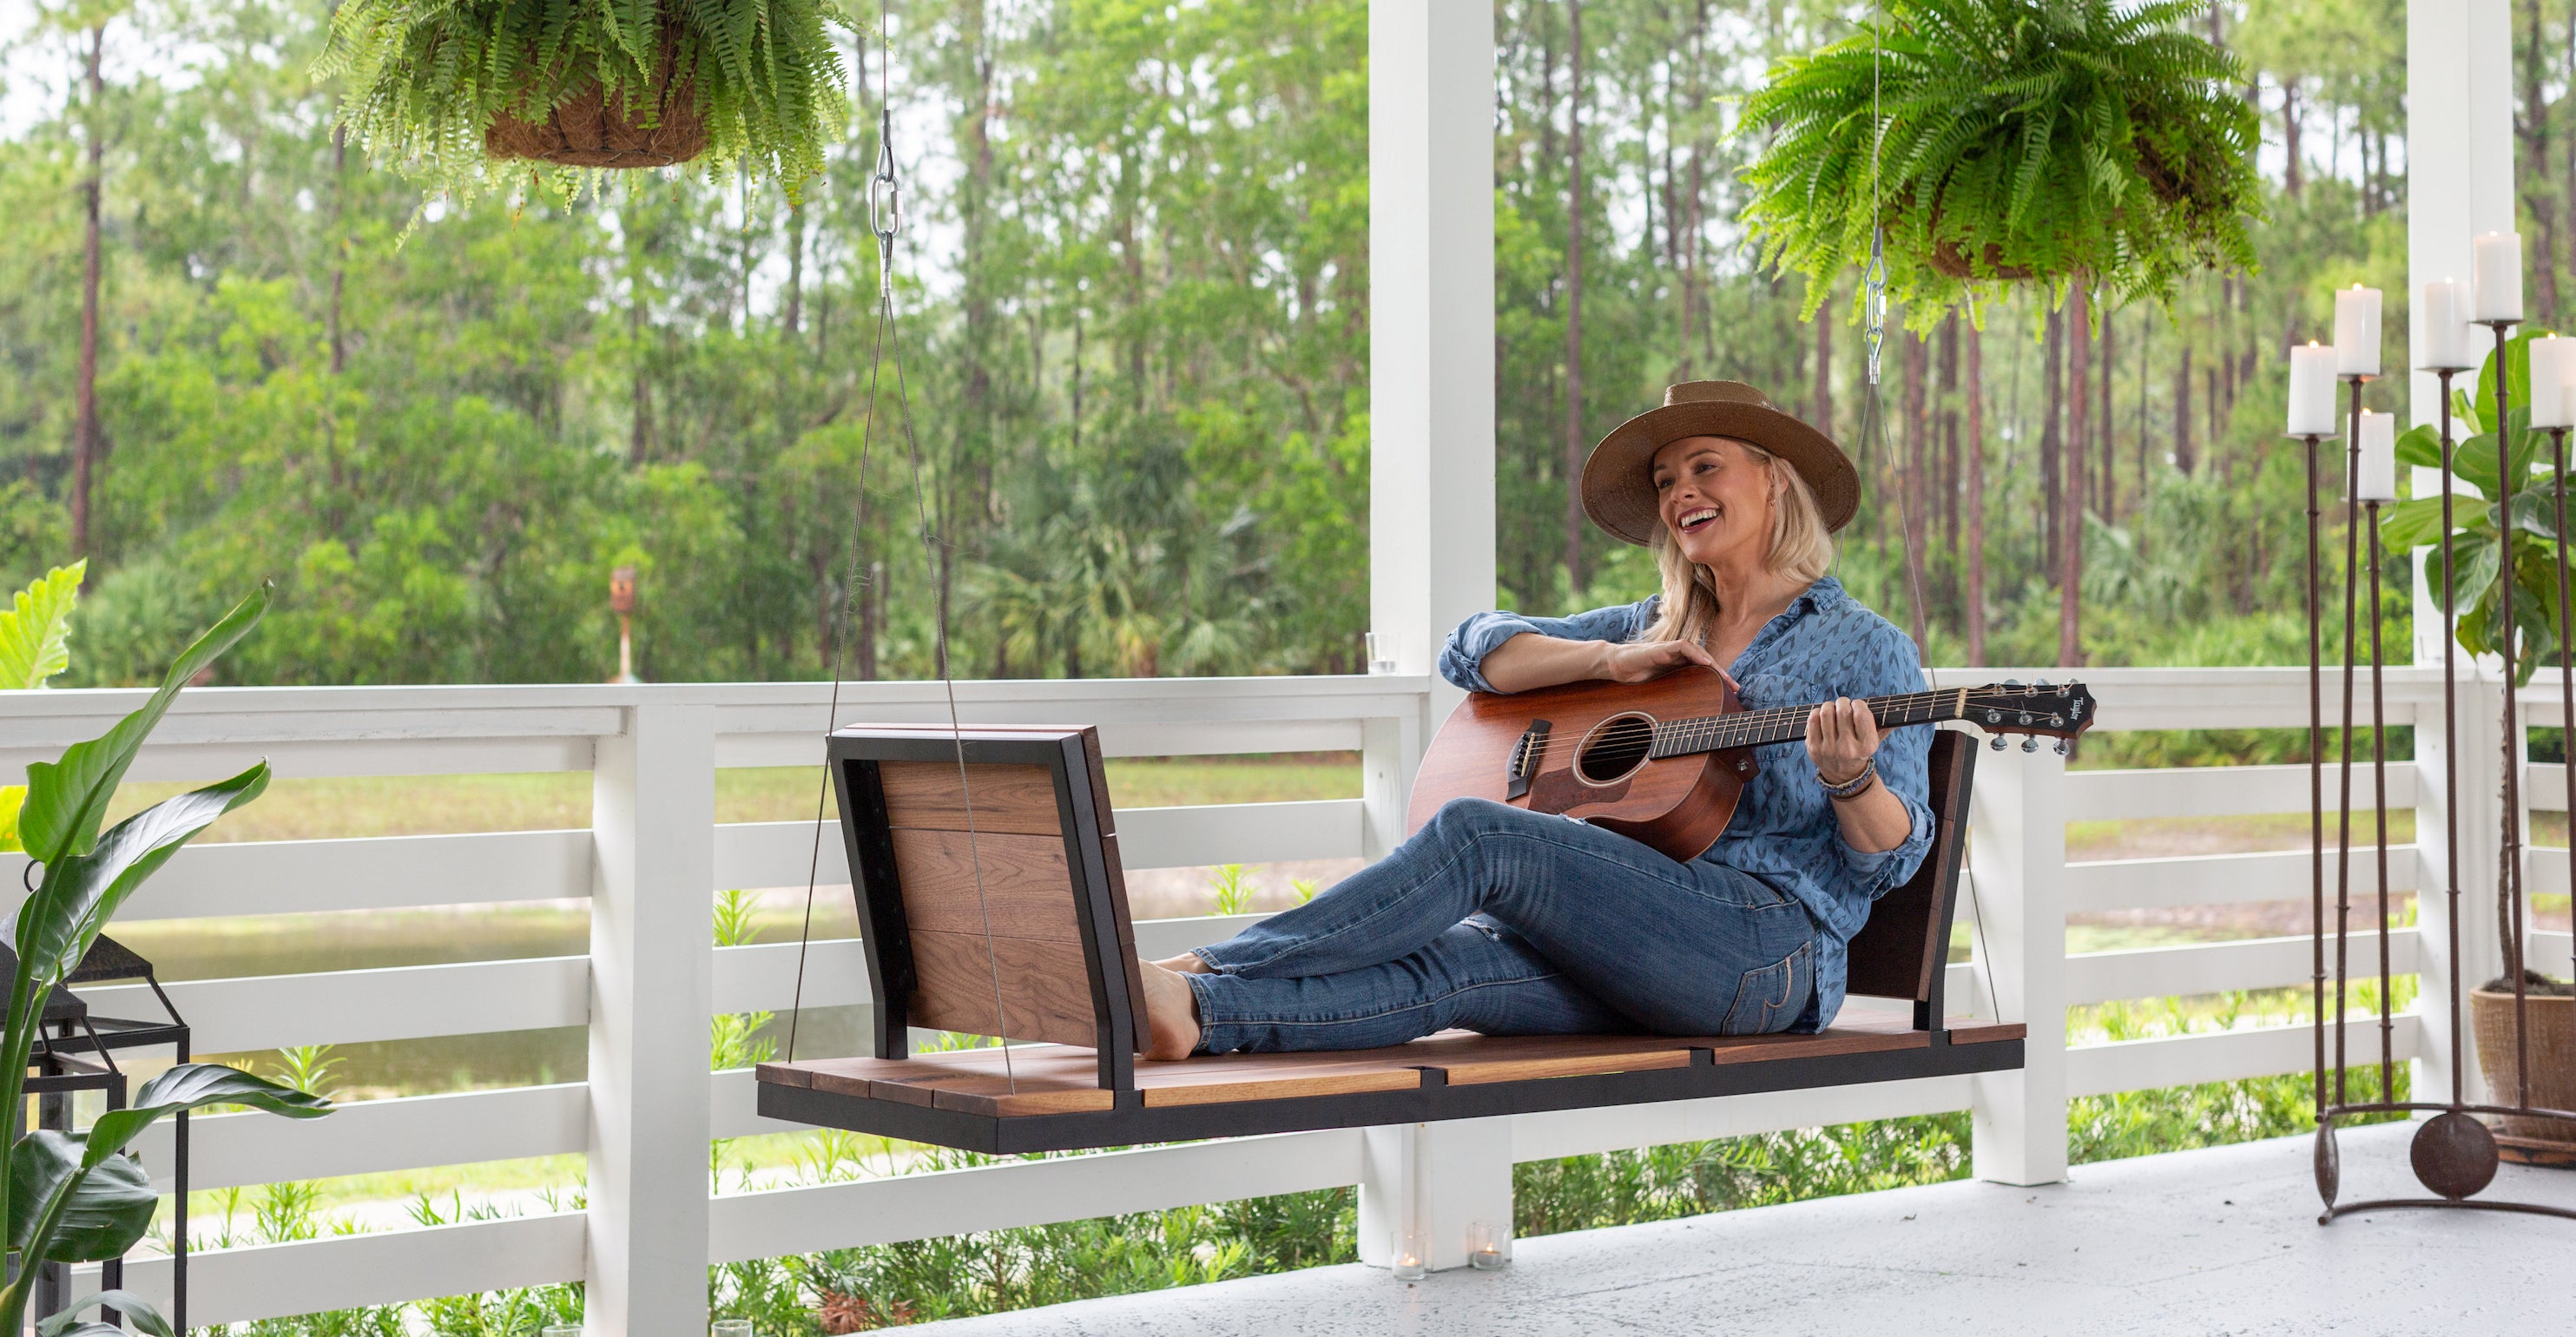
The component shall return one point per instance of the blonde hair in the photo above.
(1801, 549)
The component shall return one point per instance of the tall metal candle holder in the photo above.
(2454, 1153)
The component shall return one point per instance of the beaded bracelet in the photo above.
(1852, 787)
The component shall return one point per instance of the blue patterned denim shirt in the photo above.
(1826, 645)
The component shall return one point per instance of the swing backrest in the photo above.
(992, 902)
(1904, 949)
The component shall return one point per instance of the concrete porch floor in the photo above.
(2216, 1241)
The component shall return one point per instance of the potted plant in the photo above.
(82, 1199)
(446, 89)
(2480, 573)
(2047, 141)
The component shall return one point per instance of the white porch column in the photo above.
(1428, 1188)
(653, 810)
(1431, 507)
(2018, 860)
(1431, 326)
(2459, 183)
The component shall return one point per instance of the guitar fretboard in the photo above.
(1754, 728)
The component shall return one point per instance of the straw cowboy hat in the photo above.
(1618, 478)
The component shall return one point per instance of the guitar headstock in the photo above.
(2059, 710)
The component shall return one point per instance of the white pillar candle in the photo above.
(2553, 374)
(2376, 480)
(2450, 341)
(2497, 266)
(2356, 340)
(2312, 391)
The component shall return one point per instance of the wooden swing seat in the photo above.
(1050, 933)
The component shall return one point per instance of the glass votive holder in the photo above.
(1484, 1252)
(560, 1330)
(1407, 1265)
(730, 1327)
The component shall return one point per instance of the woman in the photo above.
(1509, 922)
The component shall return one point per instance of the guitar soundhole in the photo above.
(1614, 749)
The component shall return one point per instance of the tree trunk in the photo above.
(1824, 367)
(638, 230)
(1946, 480)
(1910, 500)
(2535, 134)
(1574, 581)
(2182, 450)
(792, 319)
(2291, 178)
(85, 433)
(1974, 605)
(2109, 506)
(2079, 367)
(339, 242)
(2052, 439)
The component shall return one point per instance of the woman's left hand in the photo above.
(1841, 738)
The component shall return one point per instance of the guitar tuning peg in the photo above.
(2061, 747)
(1996, 743)
(2030, 743)
(2041, 683)
(2012, 682)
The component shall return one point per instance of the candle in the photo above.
(2553, 374)
(2356, 340)
(2450, 342)
(2312, 391)
(2376, 479)
(2497, 268)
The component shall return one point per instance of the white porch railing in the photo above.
(644, 991)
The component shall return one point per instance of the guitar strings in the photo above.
(1747, 728)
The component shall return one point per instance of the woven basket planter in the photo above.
(588, 131)
(2553, 1061)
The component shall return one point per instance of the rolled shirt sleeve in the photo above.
(1462, 660)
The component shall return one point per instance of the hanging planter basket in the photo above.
(666, 126)
(2041, 141)
(463, 95)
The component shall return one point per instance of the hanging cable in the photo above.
(1873, 419)
(885, 219)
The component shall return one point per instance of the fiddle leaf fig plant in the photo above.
(73, 1199)
(2048, 141)
(2528, 524)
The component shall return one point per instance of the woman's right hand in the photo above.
(1640, 661)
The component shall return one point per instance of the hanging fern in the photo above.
(2025, 140)
(427, 80)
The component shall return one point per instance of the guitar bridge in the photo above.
(1526, 756)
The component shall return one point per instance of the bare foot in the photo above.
(1187, 963)
(1171, 1013)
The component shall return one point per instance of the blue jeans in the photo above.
(1510, 922)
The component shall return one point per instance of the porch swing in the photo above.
(1034, 946)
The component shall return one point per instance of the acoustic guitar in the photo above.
(1663, 762)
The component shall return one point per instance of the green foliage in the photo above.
(75, 1200)
(1233, 894)
(2527, 476)
(35, 645)
(426, 78)
(35, 633)
(2080, 141)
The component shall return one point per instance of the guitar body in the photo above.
(1578, 750)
